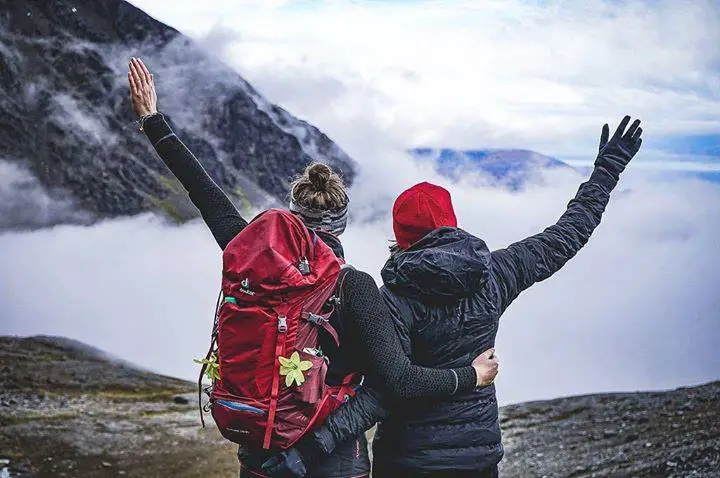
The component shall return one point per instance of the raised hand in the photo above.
(486, 367)
(615, 154)
(142, 88)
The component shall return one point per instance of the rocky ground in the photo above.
(69, 410)
(650, 434)
(66, 410)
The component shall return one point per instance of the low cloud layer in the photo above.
(25, 202)
(636, 309)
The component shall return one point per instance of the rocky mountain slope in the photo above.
(68, 149)
(69, 410)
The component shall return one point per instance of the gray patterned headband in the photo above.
(332, 221)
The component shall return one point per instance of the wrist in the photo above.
(603, 177)
(467, 379)
(143, 117)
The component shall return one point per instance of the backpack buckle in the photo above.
(282, 324)
(304, 266)
(316, 319)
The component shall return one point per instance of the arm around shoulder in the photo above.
(376, 332)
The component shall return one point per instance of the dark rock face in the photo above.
(65, 116)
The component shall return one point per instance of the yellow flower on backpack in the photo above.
(292, 369)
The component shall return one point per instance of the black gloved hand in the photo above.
(615, 154)
(288, 464)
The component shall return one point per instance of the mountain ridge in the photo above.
(512, 168)
(66, 125)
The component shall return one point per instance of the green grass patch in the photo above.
(171, 184)
(35, 417)
(243, 200)
(166, 206)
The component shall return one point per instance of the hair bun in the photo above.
(319, 175)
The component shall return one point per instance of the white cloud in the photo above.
(137, 288)
(540, 75)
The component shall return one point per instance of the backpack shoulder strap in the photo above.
(323, 321)
(344, 270)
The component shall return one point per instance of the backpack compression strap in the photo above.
(275, 390)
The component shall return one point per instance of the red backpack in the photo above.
(279, 288)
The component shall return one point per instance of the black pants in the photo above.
(350, 460)
(390, 471)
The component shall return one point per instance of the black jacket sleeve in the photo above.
(349, 421)
(215, 207)
(538, 257)
(370, 322)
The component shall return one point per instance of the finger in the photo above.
(633, 128)
(137, 71)
(621, 127)
(130, 82)
(638, 143)
(604, 135)
(135, 80)
(136, 75)
(488, 353)
(148, 75)
(637, 134)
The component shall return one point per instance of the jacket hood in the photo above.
(448, 263)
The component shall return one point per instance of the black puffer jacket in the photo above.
(446, 295)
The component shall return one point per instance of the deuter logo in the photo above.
(245, 284)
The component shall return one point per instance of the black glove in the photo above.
(615, 154)
(288, 464)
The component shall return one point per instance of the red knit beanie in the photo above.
(419, 211)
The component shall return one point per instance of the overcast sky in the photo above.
(505, 73)
(636, 309)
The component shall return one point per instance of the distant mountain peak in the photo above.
(511, 168)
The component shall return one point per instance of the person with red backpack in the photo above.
(288, 307)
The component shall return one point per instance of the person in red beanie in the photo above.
(420, 210)
(447, 292)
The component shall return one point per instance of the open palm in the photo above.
(142, 88)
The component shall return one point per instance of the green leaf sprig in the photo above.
(212, 371)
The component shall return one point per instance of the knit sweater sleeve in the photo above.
(369, 320)
(215, 207)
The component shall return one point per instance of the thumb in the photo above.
(489, 353)
(604, 136)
